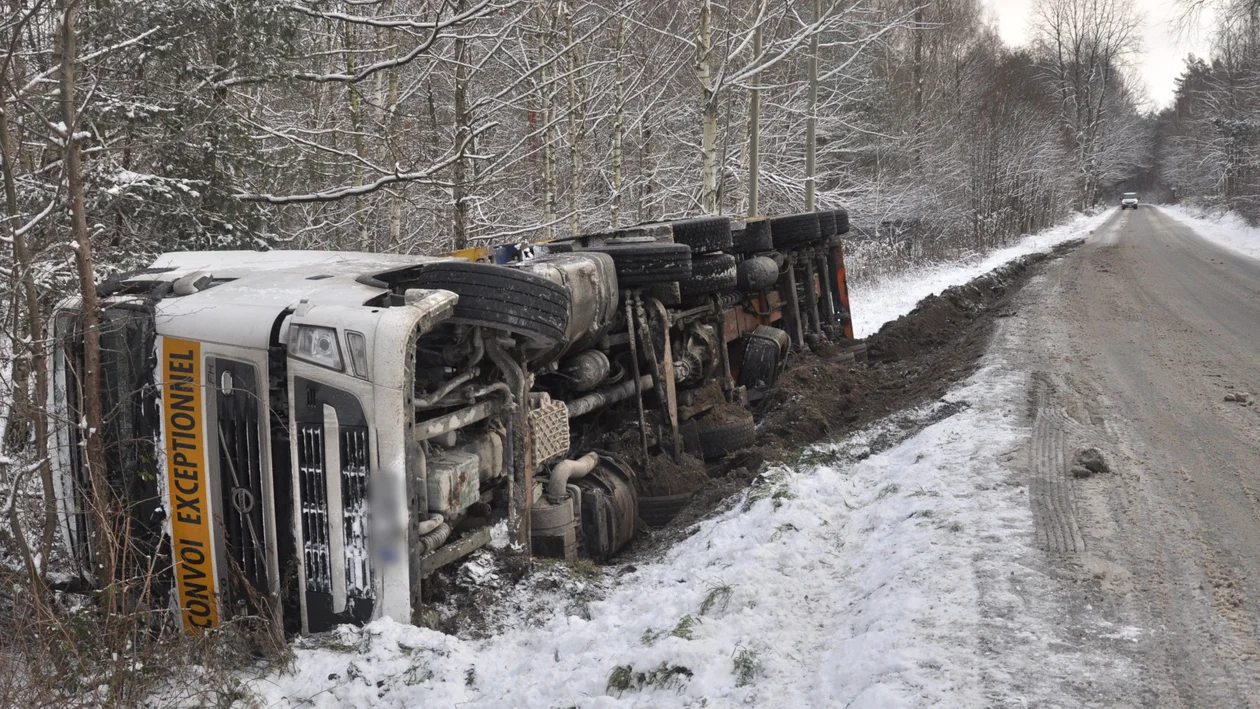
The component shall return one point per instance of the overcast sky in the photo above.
(1163, 52)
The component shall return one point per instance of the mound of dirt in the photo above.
(663, 476)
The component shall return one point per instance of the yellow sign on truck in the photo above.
(188, 484)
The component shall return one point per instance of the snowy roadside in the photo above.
(1227, 229)
(881, 301)
(848, 579)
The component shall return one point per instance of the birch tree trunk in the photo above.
(575, 104)
(709, 107)
(811, 120)
(619, 118)
(754, 134)
(459, 169)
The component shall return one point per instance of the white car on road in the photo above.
(1129, 200)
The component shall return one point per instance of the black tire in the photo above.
(842, 221)
(827, 224)
(710, 273)
(712, 439)
(660, 510)
(795, 230)
(704, 235)
(500, 298)
(649, 263)
(753, 238)
(759, 366)
(756, 274)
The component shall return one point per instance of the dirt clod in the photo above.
(1092, 461)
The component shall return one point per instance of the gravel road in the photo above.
(1133, 343)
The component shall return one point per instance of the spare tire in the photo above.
(710, 273)
(704, 235)
(648, 263)
(795, 230)
(753, 238)
(500, 298)
(757, 273)
(842, 220)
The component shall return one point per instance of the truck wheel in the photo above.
(661, 510)
(710, 273)
(715, 438)
(827, 223)
(842, 220)
(756, 274)
(704, 235)
(645, 264)
(500, 298)
(795, 230)
(759, 366)
(753, 238)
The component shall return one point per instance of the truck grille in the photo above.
(240, 473)
(355, 513)
(242, 490)
(314, 504)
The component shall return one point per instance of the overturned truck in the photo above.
(308, 436)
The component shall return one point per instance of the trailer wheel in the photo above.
(661, 510)
(500, 298)
(827, 223)
(842, 221)
(648, 263)
(795, 230)
(710, 273)
(754, 238)
(760, 364)
(703, 235)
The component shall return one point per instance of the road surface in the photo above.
(1133, 342)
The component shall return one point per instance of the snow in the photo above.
(899, 578)
(1227, 229)
(884, 300)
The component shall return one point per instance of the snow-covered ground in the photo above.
(880, 301)
(1226, 229)
(859, 578)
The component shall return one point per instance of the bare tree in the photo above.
(1085, 44)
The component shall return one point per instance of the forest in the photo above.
(129, 128)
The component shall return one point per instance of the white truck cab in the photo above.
(1129, 200)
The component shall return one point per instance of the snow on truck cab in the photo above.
(310, 435)
(1129, 200)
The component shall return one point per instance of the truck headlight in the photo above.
(317, 345)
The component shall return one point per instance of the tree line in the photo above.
(1208, 142)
